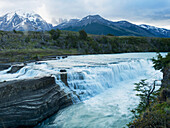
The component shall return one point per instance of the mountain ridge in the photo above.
(92, 24)
(119, 28)
(23, 21)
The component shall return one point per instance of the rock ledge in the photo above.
(25, 103)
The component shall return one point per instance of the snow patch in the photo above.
(159, 30)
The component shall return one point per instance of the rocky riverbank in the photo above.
(25, 103)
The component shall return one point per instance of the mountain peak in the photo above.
(124, 22)
(93, 17)
(96, 16)
(23, 21)
(95, 24)
(155, 30)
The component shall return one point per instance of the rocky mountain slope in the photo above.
(92, 24)
(95, 24)
(160, 32)
(23, 21)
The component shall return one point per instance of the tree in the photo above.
(27, 39)
(55, 34)
(146, 93)
(150, 112)
(82, 35)
(14, 31)
(109, 34)
(160, 63)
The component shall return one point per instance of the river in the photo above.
(101, 86)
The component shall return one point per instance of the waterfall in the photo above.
(101, 86)
(84, 82)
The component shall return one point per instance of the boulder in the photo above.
(14, 69)
(25, 103)
(63, 57)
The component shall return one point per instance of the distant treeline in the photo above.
(81, 42)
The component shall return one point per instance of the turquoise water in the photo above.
(104, 85)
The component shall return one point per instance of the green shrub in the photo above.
(14, 31)
(160, 63)
(110, 34)
(82, 35)
(55, 34)
(156, 114)
(157, 117)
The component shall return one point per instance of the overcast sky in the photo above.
(152, 12)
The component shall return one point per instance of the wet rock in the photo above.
(4, 67)
(63, 70)
(63, 57)
(57, 57)
(25, 103)
(40, 63)
(14, 69)
(64, 76)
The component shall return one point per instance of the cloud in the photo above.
(147, 11)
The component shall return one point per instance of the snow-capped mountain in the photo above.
(95, 24)
(23, 21)
(83, 22)
(156, 31)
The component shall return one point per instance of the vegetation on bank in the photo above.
(21, 46)
(35, 54)
(154, 111)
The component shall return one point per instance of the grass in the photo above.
(15, 55)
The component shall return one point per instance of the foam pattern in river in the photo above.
(101, 85)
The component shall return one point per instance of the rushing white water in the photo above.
(110, 76)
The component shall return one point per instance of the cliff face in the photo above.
(166, 77)
(24, 103)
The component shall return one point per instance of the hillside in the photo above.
(23, 46)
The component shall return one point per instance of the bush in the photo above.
(160, 63)
(82, 35)
(14, 31)
(156, 113)
(55, 34)
(27, 39)
(157, 117)
(110, 34)
(146, 94)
